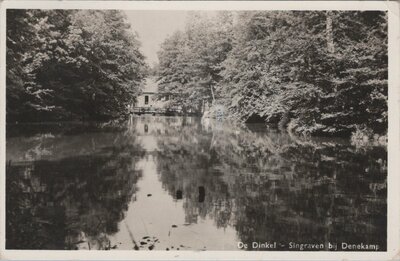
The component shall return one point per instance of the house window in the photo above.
(146, 99)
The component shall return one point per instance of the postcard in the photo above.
(204, 130)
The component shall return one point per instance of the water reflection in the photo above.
(169, 183)
(69, 191)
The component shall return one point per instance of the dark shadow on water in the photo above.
(70, 199)
(179, 194)
(202, 194)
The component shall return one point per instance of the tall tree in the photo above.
(192, 59)
(80, 64)
(315, 70)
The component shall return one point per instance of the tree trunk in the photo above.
(212, 93)
(329, 33)
(329, 38)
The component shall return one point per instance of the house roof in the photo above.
(150, 86)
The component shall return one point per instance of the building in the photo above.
(148, 98)
(151, 101)
(148, 101)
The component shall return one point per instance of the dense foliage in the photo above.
(190, 61)
(315, 72)
(70, 64)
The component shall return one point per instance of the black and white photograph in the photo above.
(197, 130)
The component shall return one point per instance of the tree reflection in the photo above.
(276, 187)
(69, 189)
(185, 163)
(70, 198)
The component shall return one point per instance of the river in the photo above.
(176, 183)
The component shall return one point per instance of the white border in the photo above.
(393, 252)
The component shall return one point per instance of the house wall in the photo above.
(153, 102)
(141, 100)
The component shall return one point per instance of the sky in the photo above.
(153, 27)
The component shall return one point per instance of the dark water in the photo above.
(157, 183)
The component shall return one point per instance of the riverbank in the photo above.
(359, 134)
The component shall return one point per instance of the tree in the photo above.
(81, 64)
(190, 61)
(22, 38)
(309, 69)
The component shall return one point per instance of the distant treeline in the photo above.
(313, 72)
(70, 64)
